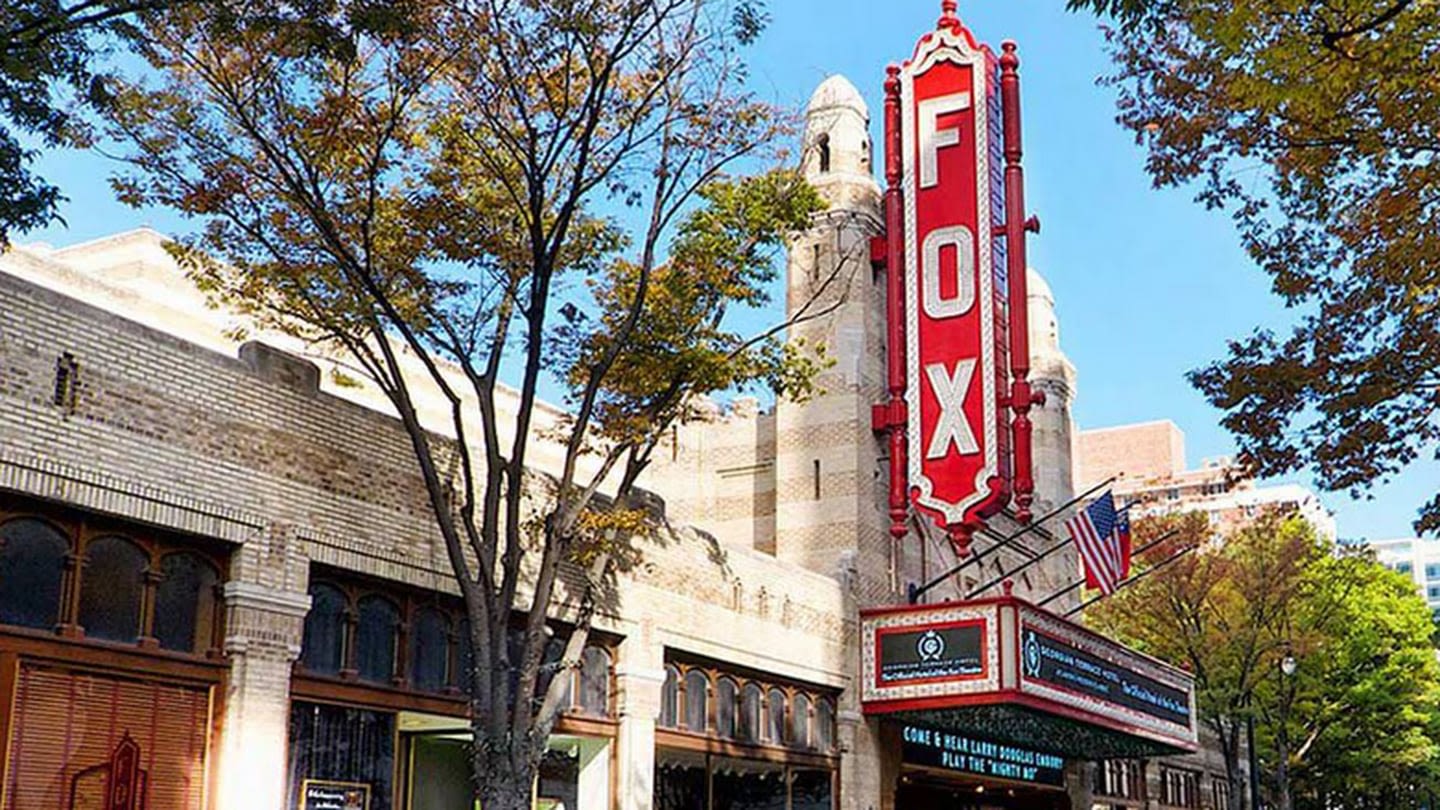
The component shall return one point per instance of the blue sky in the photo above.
(1148, 283)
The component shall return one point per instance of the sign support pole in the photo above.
(1022, 397)
(1132, 580)
(895, 417)
(917, 591)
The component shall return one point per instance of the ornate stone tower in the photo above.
(829, 498)
(1053, 373)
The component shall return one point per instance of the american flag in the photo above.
(1103, 537)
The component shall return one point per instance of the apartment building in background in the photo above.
(1147, 462)
(1417, 558)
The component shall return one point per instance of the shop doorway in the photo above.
(922, 790)
(575, 774)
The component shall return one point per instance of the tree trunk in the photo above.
(502, 791)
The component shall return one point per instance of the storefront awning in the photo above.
(1008, 671)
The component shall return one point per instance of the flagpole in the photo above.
(1077, 583)
(917, 591)
(1041, 558)
(1132, 580)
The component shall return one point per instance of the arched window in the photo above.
(429, 650)
(595, 682)
(185, 603)
(375, 638)
(823, 144)
(800, 721)
(825, 725)
(697, 701)
(670, 699)
(324, 650)
(32, 565)
(111, 587)
(775, 717)
(751, 698)
(727, 694)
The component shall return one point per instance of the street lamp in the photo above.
(1288, 665)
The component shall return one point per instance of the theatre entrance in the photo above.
(922, 789)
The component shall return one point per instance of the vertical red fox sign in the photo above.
(955, 306)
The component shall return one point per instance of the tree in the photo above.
(452, 193)
(47, 51)
(1317, 124)
(1215, 613)
(1352, 726)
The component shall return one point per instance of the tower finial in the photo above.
(948, 9)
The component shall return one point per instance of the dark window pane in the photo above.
(430, 649)
(185, 603)
(551, 665)
(775, 717)
(825, 725)
(670, 699)
(375, 639)
(595, 682)
(800, 722)
(750, 711)
(745, 785)
(811, 790)
(343, 745)
(324, 650)
(679, 781)
(697, 700)
(111, 586)
(559, 779)
(32, 562)
(726, 694)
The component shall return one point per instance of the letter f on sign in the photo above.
(950, 392)
(932, 138)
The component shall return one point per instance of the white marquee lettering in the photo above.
(950, 392)
(937, 306)
(932, 138)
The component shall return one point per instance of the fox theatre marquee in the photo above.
(998, 687)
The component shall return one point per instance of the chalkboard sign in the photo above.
(933, 653)
(1062, 664)
(319, 794)
(957, 752)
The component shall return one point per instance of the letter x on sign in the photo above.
(950, 392)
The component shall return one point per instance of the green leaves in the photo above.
(1318, 126)
(1360, 716)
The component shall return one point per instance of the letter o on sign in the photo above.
(963, 241)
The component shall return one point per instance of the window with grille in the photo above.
(1179, 788)
(1120, 779)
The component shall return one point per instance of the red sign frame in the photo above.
(958, 354)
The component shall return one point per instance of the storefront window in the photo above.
(746, 785)
(811, 790)
(110, 596)
(32, 560)
(558, 787)
(697, 701)
(595, 682)
(185, 603)
(825, 725)
(775, 717)
(430, 650)
(324, 630)
(800, 722)
(726, 693)
(670, 699)
(750, 709)
(375, 639)
(680, 781)
(342, 745)
(53, 578)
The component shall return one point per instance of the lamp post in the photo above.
(1288, 665)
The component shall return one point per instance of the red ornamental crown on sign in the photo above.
(958, 414)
